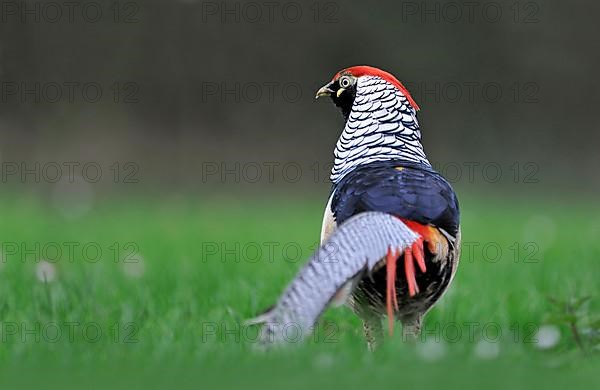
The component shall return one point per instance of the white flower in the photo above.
(486, 350)
(324, 361)
(45, 272)
(135, 267)
(547, 337)
(431, 350)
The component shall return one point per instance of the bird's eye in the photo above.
(345, 81)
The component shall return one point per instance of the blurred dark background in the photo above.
(195, 96)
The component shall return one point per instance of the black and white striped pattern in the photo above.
(355, 247)
(382, 125)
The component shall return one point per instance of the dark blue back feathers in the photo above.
(406, 190)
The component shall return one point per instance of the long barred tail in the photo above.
(354, 247)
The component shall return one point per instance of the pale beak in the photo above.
(324, 91)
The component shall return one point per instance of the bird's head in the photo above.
(381, 120)
(344, 86)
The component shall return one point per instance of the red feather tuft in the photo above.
(365, 70)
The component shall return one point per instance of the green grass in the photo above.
(174, 317)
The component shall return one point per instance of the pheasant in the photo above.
(390, 238)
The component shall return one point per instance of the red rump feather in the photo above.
(365, 70)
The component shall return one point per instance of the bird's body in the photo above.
(425, 202)
(381, 169)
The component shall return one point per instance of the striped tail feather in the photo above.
(352, 250)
